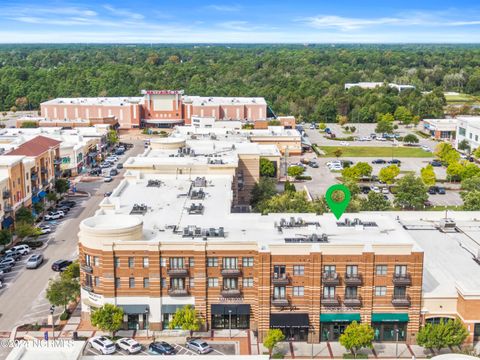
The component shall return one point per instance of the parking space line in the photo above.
(218, 351)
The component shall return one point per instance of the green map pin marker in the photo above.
(338, 208)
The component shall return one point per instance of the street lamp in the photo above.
(230, 323)
(312, 339)
(52, 310)
(146, 324)
(396, 342)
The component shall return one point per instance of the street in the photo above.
(23, 299)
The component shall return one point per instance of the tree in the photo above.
(388, 174)
(470, 170)
(359, 170)
(186, 318)
(464, 145)
(288, 186)
(337, 153)
(51, 196)
(384, 127)
(342, 120)
(470, 184)
(295, 170)
(476, 153)
(428, 175)
(455, 171)
(24, 215)
(5, 237)
(445, 152)
(29, 124)
(23, 230)
(387, 117)
(471, 200)
(108, 318)
(322, 126)
(273, 337)
(411, 192)
(442, 335)
(72, 271)
(410, 139)
(374, 202)
(264, 189)
(61, 186)
(291, 202)
(266, 167)
(60, 292)
(112, 137)
(403, 115)
(357, 336)
(39, 207)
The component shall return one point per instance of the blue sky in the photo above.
(270, 21)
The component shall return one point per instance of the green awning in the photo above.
(390, 317)
(135, 309)
(342, 317)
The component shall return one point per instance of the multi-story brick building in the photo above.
(157, 108)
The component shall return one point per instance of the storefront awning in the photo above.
(289, 320)
(344, 317)
(7, 222)
(135, 309)
(172, 309)
(35, 199)
(42, 194)
(390, 317)
(241, 309)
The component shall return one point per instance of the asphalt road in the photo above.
(23, 299)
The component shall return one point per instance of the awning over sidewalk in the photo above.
(289, 320)
(7, 222)
(135, 309)
(390, 317)
(241, 309)
(42, 194)
(340, 317)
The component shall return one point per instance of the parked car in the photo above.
(379, 161)
(161, 348)
(107, 194)
(129, 345)
(113, 172)
(13, 253)
(441, 191)
(22, 249)
(69, 203)
(347, 162)
(313, 164)
(385, 190)
(333, 162)
(54, 215)
(8, 261)
(34, 261)
(61, 265)
(312, 127)
(95, 172)
(336, 168)
(102, 344)
(395, 162)
(365, 189)
(375, 189)
(432, 190)
(427, 203)
(198, 345)
(105, 165)
(436, 163)
(65, 209)
(426, 148)
(107, 179)
(119, 166)
(5, 268)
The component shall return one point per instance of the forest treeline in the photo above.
(305, 81)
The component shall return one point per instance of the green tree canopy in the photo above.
(72, 271)
(5, 237)
(455, 171)
(384, 127)
(428, 175)
(23, 230)
(388, 174)
(60, 292)
(470, 184)
(263, 190)
(410, 139)
(445, 152)
(112, 137)
(295, 170)
(375, 202)
(464, 145)
(291, 202)
(108, 318)
(411, 192)
(288, 186)
(442, 335)
(24, 215)
(356, 337)
(273, 337)
(471, 200)
(186, 318)
(61, 186)
(403, 115)
(267, 168)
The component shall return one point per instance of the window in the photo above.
(476, 137)
(330, 269)
(247, 261)
(381, 270)
(177, 283)
(163, 261)
(470, 135)
(247, 282)
(131, 282)
(88, 260)
(131, 262)
(96, 280)
(230, 283)
(351, 292)
(146, 282)
(191, 262)
(328, 292)
(279, 271)
(279, 292)
(176, 263)
(230, 263)
(163, 282)
(399, 292)
(298, 290)
(352, 270)
(192, 282)
(212, 262)
(462, 131)
(145, 262)
(117, 283)
(88, 280)
(400, 270)
(298, 270)
(96, 261)
(380, 290)
(116, 262)
(212, 282)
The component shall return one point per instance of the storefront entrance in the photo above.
(135, 316)
(333, 325)
(230, 316)
(167, 313)
(293, 325)
(390, 326)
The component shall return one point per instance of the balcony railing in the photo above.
(352, 301)
(44, 170)
(6, 194)
(57, 161)
(280, 301)
(330, 278)
(178, 292)
(86, 268)
(401, 300)
(280, 279)
(34, 177)
(177, 271)
(44, 182)
(231, 272)
(231, 293)
(87, 287)
(353, 279)
(402, 279)
(330, 301)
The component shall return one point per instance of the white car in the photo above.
(199, 346)
(381, 139)
(385, 191)
(102, 344)
(54, 215)
(426, 148)
(107, 179)
(129, 345)
(336, 168)
(375, 189)
(45, 229)
(22, 249)
(334, 162)
(344, 143)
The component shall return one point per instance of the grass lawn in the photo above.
(375, 151)
(460, 98)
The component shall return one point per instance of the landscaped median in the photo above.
(375, 151)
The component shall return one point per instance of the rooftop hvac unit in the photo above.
(447, 225)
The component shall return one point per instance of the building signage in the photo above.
(95, 298)
(288, 308)
(339, 309)
(234, 300)
(162, 92)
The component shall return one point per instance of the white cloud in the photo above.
(236, 25)
(123, 12)
(224, 8)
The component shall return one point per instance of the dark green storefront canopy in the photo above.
(342, 317)
(390, 317)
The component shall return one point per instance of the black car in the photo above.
(69, 203)
(119, 166)
(379, 161)
(347, 163)
(441, 191)
(95, 172)
(161, 348)
(436, 163)
(395, 161)
(432, 190)
(60, 265)
(365, 189)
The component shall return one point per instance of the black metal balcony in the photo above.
(177, 272)
(280, 279)
(6, 194)
(280, 301)
(330, 278)
(231, 272)
(330, 301)
(231, 293)
(178, 292)
(8, 208)
(352, 301)
(86, 268)
(87, 287)
(402, 279)
(353, 279)
(401, 300)
(44, 170)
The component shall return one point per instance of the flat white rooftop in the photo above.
(216, 101)
(95, 101)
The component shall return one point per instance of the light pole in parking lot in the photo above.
(52, 310)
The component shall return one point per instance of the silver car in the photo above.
(34, 261)
(199, 346)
